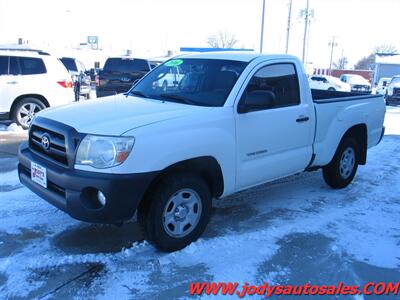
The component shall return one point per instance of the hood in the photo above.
(117, 114)
(395, 84)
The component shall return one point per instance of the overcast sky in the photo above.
(150, 27)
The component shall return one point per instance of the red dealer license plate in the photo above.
(39, 174)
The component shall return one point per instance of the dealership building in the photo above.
(386, 66)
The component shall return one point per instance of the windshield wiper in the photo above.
(179, 98)
(137, 93)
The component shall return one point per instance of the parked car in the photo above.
(234, 121)
(119, 74)
(330, 83)
(170, 79)
(79, 75)
(93, 73)
(382, 85)
(393, 91)
(31, 80)
(358, 83)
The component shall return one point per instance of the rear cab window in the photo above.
(126, 65)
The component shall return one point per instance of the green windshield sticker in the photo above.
(173, 63)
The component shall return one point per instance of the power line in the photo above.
(288, 26)
(262, 27)
(332, 44)
(308, 15)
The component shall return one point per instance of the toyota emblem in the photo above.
(46, 142)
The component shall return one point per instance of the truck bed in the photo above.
(322, 96)
(336, 112)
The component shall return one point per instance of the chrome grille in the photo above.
(57, 147)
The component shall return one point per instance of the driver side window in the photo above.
(279, 81)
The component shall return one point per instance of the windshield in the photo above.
(205, 82)
(395, 80)
(126, 65)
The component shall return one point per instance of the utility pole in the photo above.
(332, 44)
(288, 26)
(262, 27)
(305, 30)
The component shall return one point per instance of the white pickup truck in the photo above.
(234, 121)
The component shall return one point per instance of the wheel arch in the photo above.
(206, 166)
(359, 133)
(19, 98)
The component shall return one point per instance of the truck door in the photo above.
(274, 139)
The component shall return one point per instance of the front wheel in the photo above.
(343, 167)
(25, 110)
(176, 211)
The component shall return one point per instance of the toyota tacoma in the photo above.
(233, 121)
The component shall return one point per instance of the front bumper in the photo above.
(75, 191)
(393, 98)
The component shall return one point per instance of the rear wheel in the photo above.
(331, 89)
(176, 212)
(25, 110)
(343, 167)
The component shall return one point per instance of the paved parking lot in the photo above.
(294, 230)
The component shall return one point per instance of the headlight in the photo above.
(103, 151)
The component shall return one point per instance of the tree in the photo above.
(367, 62)
(341, 63)
(222, 39)
(385, 49)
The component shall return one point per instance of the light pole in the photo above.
(288, 26)
(262, 27)
(332, 44)
(305, 30)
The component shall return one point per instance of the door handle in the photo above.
(301, 119)
(12, 82)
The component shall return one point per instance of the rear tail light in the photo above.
(66, 84)
(97, 80)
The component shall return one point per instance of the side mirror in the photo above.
(257, 100)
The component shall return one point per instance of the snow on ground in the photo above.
(12, 128)
(294, 230)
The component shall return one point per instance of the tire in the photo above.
(343, 167)
(331, 89)
(164, 214)
(25, 110)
